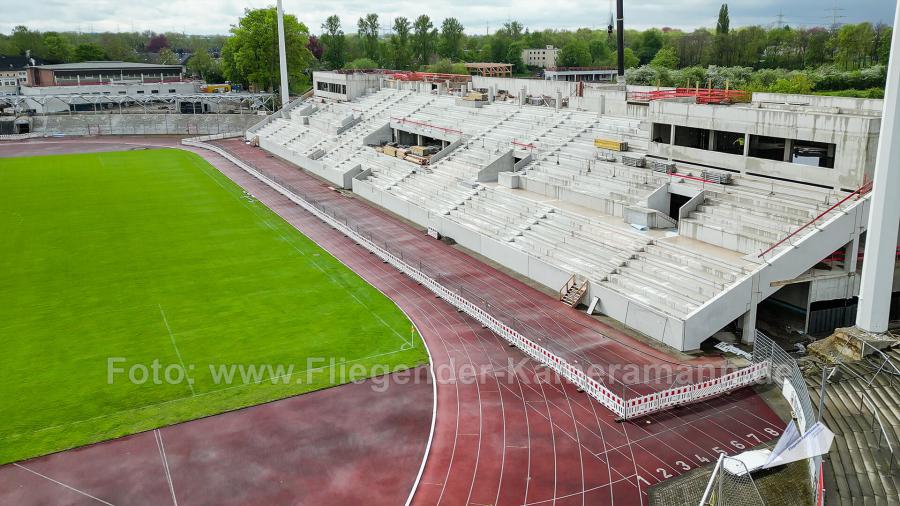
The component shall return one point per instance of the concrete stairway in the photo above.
(858, 469)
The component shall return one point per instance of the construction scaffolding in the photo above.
(490, 69)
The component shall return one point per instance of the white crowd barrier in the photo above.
(623, 408)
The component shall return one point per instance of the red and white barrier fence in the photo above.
(624, 408)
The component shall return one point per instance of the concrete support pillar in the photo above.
(711, 141)
(851, 254)
(884, 217)
(282, 57)
(558, 100)
(748, 325)
(419, 139)
(788, 149)
(748, 321)
(522, 96)
(746, 144)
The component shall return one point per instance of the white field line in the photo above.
(190, 380)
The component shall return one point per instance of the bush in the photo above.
(648, 75)
(445, 66)
(362, 64)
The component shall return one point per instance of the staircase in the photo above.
(861, 408)
(573, 291)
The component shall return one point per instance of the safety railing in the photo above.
(623, 406)
(731, 489)
(702, 95)
(784, 369)
(882, 432)
(859, 192)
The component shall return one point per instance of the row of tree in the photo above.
(249, 52)
(65, 47)
(420, 42)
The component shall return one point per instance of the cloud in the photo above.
(216, 16)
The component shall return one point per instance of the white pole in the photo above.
(282, 57)
(884, 216)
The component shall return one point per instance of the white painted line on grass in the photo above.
(190, 381)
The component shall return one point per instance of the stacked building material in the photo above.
(666, 167)
(633, 161)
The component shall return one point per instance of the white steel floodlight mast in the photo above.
(282, 57)
(884, 215)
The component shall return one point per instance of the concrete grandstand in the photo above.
(664, 242)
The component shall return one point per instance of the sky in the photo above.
(216, 16)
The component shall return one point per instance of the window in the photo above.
(769, 148)
(662, 133)
(122, 92)
(729, 142)
(140, 92)
(154, 91)
(690, 137)
(172, 91)
(817, 154)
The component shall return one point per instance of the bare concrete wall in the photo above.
(142, 124)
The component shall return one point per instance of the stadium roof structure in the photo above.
(105, 65)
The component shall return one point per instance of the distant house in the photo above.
(544, 58)
(13, 72)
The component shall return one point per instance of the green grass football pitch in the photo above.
(113, 265)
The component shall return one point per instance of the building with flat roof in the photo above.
(102, 72)
(603, 74)
(544, 57)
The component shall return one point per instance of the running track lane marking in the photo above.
(63, 484)
(162, 454)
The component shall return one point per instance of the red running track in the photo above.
(507, 431)
(519, 435)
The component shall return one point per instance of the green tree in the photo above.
(724, 22)
(666, 58)
(168, 57)
(117, 48)
(26, 40)
(250, 56)
(854, 46)
(423, 39)
(651, 43)
(58, 48)
(601, 54)
(574, 54)
(89, 51)
(368, 29)
(631, 60)
(401, 56)
(334, 41)
(451, 39)
(201, 64)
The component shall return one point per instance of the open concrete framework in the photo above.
(526, 187)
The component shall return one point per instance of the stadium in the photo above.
(427, 288)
